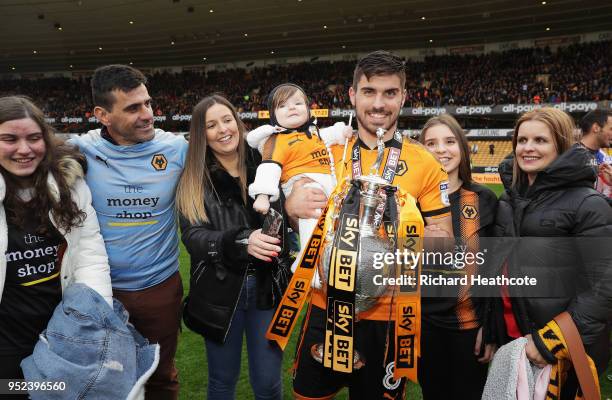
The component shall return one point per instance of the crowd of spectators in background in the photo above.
(578, 72)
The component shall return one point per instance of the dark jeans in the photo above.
(265, 358)
(155, 313)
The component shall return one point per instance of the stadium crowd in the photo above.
(578, 72)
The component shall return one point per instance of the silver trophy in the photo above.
(372, 241)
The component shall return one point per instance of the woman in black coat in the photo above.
(237, 272)
(550, 198)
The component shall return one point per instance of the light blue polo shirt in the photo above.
(133, 189)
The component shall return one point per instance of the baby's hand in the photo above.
(336, 134)
(347, 132)
(261, 204)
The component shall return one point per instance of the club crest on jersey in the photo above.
(402, 167)
(469, 211)
(159, 162)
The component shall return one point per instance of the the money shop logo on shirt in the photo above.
(159, 162)
(35, 261)
(321, 155)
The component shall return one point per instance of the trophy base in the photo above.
(316, 351)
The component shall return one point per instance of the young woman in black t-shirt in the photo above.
(452, 348)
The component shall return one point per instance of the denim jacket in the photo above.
(91, 348)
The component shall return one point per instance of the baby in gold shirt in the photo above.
(292, 148)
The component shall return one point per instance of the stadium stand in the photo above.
(578, 72)
(483, 159)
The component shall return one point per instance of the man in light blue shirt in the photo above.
(133, 170)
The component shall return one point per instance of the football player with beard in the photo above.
(378, 94)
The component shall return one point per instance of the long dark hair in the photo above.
(465, 172)
(195, 180)
(64, 210)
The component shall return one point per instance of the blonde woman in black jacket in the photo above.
(550, 199)
(237, 272)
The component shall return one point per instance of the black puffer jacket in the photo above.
(574, 274)
(219, 258)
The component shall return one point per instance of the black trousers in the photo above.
(448, 367)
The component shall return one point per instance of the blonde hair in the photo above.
(561, 126)
(195, 180)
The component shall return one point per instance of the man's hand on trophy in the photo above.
(304, 202)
